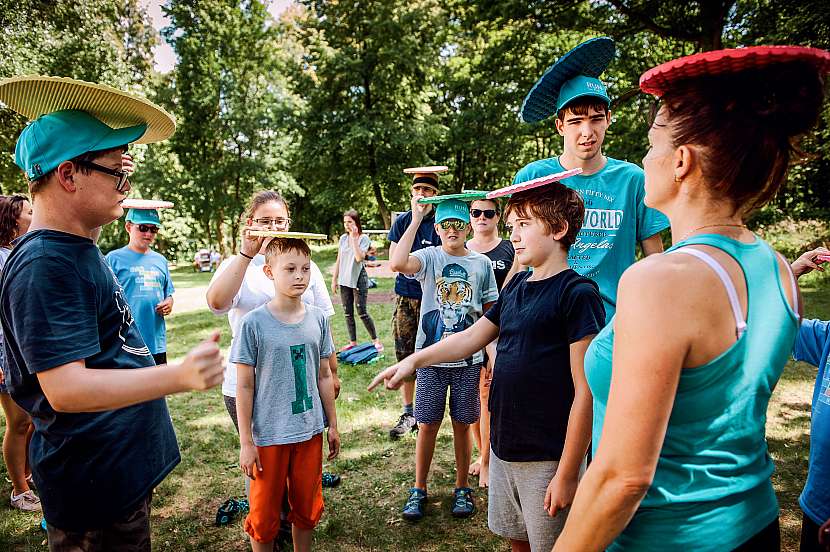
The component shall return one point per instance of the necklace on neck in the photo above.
(693, 230)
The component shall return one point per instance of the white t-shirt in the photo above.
(255, 291)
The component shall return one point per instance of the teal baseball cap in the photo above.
(452, 209)
(144, 216)
(581, 87)
(60, 136)
(573, 76)
(454, 273)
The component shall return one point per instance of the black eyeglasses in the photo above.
(267, 221)
(122, 177)
(148, 228)
(488, 213)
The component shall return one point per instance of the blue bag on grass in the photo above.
(359, 354)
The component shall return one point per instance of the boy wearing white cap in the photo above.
(145, 276)
(77, 364)
(458, 287)
(616, 217)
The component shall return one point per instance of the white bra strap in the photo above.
(792, 282)
(740, 323)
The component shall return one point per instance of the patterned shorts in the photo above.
(431, 394)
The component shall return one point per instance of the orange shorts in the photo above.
(298, 464)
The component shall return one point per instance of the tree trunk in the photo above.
(220, 222)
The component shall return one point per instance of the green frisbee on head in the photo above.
(280, 234)
(463, 196)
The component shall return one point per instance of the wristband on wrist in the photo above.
(246, 256)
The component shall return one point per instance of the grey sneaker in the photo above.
(406, 423)
(28, 501)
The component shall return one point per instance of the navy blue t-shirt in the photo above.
(426, 237)
(532, 389)
(501, 257)
(59, 303)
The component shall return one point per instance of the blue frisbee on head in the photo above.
(588, 60)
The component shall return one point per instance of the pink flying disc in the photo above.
(825, 258)
(131, 203)
(530, 184)
(658, 80)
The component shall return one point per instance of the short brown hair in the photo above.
(36, 186)
(746, 125)
(554, 205)
(582, 106)
(284, 245)
(263, 197)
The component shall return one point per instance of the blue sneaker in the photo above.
(415, 505)
(462, 502)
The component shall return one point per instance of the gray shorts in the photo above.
(516, 502)
(431, 394)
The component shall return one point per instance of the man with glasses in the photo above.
(408, 291)
(77, 363)
(145, 276)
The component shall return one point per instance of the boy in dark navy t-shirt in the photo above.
(540, 404)
(77, 364)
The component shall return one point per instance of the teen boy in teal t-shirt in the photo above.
(616, 217)
(145, 277)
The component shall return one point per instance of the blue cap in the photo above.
(454, 273)
(580, 87)
(144, 216)
(452, 209)
(60, 136)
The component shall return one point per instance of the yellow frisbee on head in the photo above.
(35, 95)
(146, 204)
(278, 234)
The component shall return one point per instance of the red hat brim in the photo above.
(658, 80)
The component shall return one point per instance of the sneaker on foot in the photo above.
(330, 480)
(28, 501)
(406, 423)
(415, 505)
(462, 503)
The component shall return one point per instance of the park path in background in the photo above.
(189, 299)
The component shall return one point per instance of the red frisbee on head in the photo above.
(530, 184)
(658, 80)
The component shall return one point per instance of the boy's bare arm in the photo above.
(325, 383)
(454, 347)
(562, 487)
(248, 453)
(72, 387)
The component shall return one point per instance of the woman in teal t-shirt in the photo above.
(702, 332)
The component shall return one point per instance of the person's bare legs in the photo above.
(15, 439)
(519, 546)
(463, 451)
(302, 538)
(408, 392)
(424, 449)
(262, 546)
(475, 431)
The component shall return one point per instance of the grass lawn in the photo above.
(363, 512)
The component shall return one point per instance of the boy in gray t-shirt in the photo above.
(285, 390)
(458, 287)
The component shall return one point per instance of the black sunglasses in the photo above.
(121, 176)
(488, 213)
(148, 228)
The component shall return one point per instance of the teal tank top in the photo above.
(712, 488)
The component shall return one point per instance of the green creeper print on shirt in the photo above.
(303, 401)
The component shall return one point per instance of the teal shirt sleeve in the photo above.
(811, 341)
